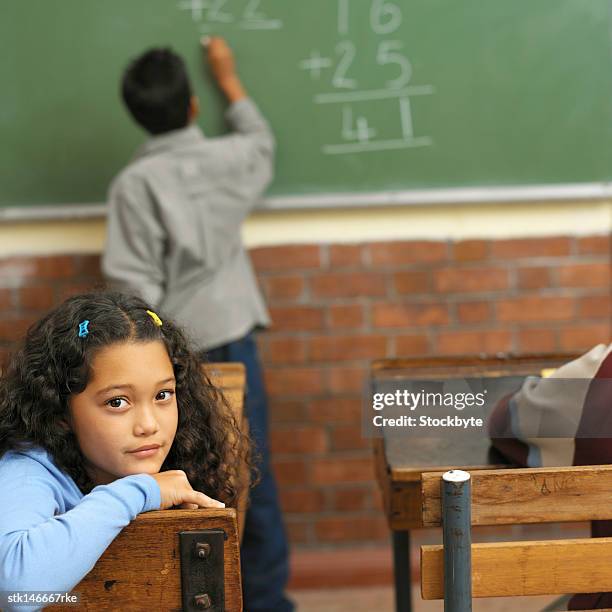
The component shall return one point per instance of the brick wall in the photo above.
(335, 307)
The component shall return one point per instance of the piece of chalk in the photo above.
(205, 41)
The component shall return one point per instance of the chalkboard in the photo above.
(363, 95)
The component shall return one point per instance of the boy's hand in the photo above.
(221, 59)
(223, 67)
(176, 491)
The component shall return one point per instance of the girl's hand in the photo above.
(176, 491)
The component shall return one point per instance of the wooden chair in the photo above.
(175, 560)
(521, 496)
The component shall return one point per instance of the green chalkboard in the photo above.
(363, 95)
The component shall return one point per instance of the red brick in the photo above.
(537, 340)
(299, 532)
(88, 265)
(594, 306)
(6, 299)
(409, 315)
(286, 257)
(584, 336)
(585, 275)
(294, 381)
(474, 312)
(536, 309)
(412, 344)
(285, 350)
(56, 267)
(284, 411)
(345, 315)
(403, 253)
(344, 255)
(336, 410)
(471, 250)
(351, 528)
(348, 284)
(534, 278)
(347, 348)
(459, 342)
(13, 329)
(296, 318)
(352, 499)
(412, 282)
(349, 438)
(283, 287)
(595, 245)
(531, 247)
(302, 500)
(340, 567)
(346, 380)
(304, 440)
(334, 470)
(289, 471)
(16, 268)
(39, 297)
(469, 280)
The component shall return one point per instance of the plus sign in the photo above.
(315, 63)
(195, 6)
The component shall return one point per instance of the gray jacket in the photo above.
(174, 226)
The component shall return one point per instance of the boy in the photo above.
(575, 399)
(173, 236)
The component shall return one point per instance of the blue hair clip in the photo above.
(83, 331)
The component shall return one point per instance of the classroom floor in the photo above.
(380, 599)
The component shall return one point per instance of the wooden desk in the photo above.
(399, 462)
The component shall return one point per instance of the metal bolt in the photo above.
(202, 601)
(202, 549)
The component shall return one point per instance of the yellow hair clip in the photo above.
(155, 318)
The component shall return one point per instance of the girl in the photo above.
(104, 413)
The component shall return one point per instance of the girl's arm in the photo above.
(44, 548)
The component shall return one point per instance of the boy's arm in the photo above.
(251, 146)
(223, 67)
(42, 551)
(133, 255)
(544, 406)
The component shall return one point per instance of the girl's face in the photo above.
(128, 405)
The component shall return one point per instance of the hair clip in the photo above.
(83, 331)
(155, 318)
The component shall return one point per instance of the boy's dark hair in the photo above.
(54, 363)
(157, 91)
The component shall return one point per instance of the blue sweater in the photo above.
(51, 535)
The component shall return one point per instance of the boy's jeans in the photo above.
(264, 551)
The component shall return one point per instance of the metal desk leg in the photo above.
(401, 566)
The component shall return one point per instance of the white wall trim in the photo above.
(470, 195)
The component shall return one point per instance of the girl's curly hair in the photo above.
(54, 362)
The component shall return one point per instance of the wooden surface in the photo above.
(501, 364)
(526, 568)
(231, 379)
(400, 461)
(529, 495)
(401, 483)
(140, 570)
